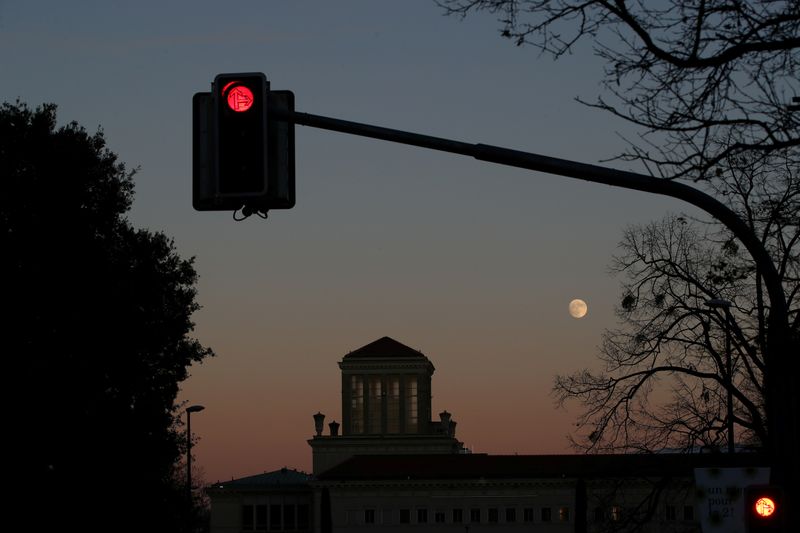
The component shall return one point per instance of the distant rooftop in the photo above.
(483, 466)
(385, 347)
(285, 477)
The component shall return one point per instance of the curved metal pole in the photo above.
(573, 169)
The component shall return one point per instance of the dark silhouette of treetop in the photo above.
(97, 335)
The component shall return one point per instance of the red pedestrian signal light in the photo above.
(763, 508)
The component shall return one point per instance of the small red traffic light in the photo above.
(764, 507)
(239, 97)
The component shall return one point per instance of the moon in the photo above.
(578, 308)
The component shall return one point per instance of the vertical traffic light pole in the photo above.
(780, 397)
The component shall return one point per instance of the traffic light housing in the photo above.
(240, 103)
(764, 508)
(243, 156)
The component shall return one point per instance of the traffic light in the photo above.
(764, 508)
(243, 156)
(240, 103)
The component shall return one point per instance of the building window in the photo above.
(412, 424)
(493, 515)
(475, 515)
(670, 513)
(247, 517)
(547, 514)
(288, 517)
(458, 516)
(422, 516)
(375, 404)
(261, 517)
(563, 514)
(369, 516)
(303, 517)
(275, 517)
(527, 514)
(688, 512)
(356, 404)
(598, 514)
(393, 404)
(438, 517)
(511, 514)
(616, 513)
(405, 516)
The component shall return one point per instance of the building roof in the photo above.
(285, 477)
(385, 347)
(477, 466)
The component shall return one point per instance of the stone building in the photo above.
(273, 501)
(386, 408)
(392, 468)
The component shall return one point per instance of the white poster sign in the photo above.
(720, 501)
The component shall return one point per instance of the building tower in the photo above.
(386, 390)
(386, 408)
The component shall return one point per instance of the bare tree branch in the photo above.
(664, 379)
(704, 80)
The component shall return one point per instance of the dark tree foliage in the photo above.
(96, 335)
(704, 79)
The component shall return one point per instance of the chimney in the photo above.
(334, 428)
(319, 420)
(444, 418)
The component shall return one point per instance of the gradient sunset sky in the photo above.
(471, 263)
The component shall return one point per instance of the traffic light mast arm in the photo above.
(572, 169)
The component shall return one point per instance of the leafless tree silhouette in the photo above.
(664, 381)
(704, 80)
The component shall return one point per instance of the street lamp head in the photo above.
(718, 302)
(194, 408)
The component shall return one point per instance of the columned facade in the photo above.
(386, 407)
(389, 395)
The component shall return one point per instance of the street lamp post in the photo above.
(189, 411)
(717, 303)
